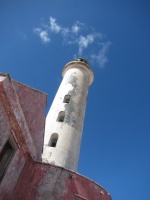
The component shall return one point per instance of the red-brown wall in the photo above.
(41, 181)
(16, 165)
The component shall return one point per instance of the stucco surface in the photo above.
(33, 104)
(47, 182)
(7, 125)
(14, 127)
(77, 76)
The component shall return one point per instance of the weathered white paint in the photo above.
(77, 76)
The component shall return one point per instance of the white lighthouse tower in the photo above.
(64, 122)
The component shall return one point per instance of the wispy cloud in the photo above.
(43, 34)
(101, 57)
(54, 27)
(89, 44)
(76, 27)
(83, 42)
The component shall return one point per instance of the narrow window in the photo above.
(53, 140)
(66, 98)
(5, 158)
(61, 116)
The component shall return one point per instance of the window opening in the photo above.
(53, 140)
(61, 116)
(5, 157)
(66, 98)
(54, 143)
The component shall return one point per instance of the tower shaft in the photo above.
(65, 118)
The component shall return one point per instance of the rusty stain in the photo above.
(15, 127)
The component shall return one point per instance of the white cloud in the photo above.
(75, 28)
(78, 35)
(83, 42)
(43, 35)
(65, 32)
(101, 57)
(54, 27)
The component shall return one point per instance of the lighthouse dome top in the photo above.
(82, 60)
(80, 63)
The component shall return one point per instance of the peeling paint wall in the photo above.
(47, 182)
(75, 83)
(33, 104)
(14, 127)
(12, 173)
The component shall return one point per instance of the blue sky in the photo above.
(38, 38)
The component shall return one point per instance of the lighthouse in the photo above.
(64, 121)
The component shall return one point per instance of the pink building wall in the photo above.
(43, 181)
